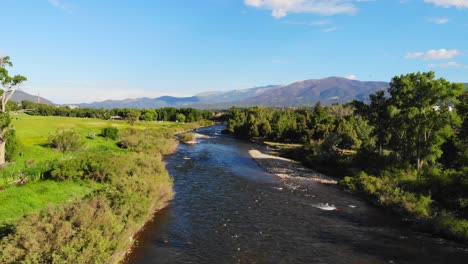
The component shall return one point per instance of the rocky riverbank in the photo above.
(289, 170)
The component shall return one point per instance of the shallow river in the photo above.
(229, 210)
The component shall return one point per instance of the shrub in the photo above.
(94, 230)
(186, 137)
(66, 140)
(149, 141)
(12, 146)
(110, 133)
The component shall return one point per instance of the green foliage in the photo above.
(389, 192)
(132, 116)
(12, 146)
(148, 141)
(5, 120)
(66, 140)
(186, 137)
(420, 114)
(180, 118)
(12, 106)
(110, 133)
(18, 201)
(452, 225)
(96, 229)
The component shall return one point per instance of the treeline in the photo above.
(160, 114)
(407, 147)
(97, 229)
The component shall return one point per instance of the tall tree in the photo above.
(421, 115)
(378, 116)
(9, 86)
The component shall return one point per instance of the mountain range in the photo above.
(302, 93)
(309, 92)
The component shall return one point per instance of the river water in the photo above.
(229, 210)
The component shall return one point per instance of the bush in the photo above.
(12, 146)
(387, 191)
(186, 137)
(66, 140)
(110, 133)
(147, 141)
(94, 230)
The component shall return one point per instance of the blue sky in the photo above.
(88, 50)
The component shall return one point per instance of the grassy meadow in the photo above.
(26, 187)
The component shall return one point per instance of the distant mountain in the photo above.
(19, 96)
(309, 92)
(234, 95)
(202, 99)
(144, 102)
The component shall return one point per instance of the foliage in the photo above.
(66, 140)
(132, 116)
(420, 113)
(410, 137)
(161, 114)
(186, 137)
(388, 191)
(12, 146)
(148, 141)
(96, 229)
(18, 201)
(110, 132)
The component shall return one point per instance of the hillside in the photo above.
(19, 96)
(308, 92)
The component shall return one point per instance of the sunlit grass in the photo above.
(36, 156)
(17, 201)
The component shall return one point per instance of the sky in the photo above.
(75, 51)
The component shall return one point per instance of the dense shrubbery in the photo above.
(12, 146)
(148, 141)
(186, 137)
(388, 191)
(161, 114)
(110, 132)
(66, 140)
(97, 229)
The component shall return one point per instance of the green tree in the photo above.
(378, 117)
(462, 136)
(421, 116)
(180, 118)
(9, 86)
(133, 116)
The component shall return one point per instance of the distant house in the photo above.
(116, 118)
(72, 106)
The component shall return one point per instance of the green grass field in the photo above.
(33, 132)
(20, 200)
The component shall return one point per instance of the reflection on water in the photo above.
(228, 210)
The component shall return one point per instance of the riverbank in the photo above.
(99, 227)
(289, 170)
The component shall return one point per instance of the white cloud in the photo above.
(434, 54)
(330, 29)
(310, 24)
(61, 4)
(351, 77)
(440, 21)
(446, 65)
(449, 3)
(281, 8)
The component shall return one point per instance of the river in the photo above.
(229, 210)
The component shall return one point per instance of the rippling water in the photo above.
(229, 210)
